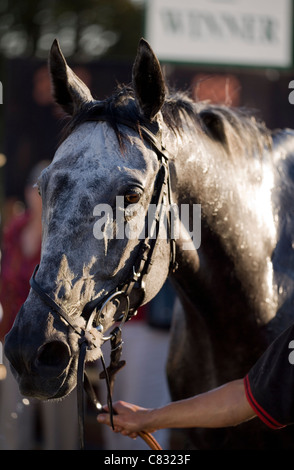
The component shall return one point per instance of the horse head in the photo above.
(96, 267)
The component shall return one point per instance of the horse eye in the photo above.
(132, 197)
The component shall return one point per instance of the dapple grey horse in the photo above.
(236, 289)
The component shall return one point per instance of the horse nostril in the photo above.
(53, 355)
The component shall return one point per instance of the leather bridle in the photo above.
(93, 310)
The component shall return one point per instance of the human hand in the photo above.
(128, 419)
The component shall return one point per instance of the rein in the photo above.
(93, 310)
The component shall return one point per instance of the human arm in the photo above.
(221, 407)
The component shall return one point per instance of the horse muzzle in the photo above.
(43, 370)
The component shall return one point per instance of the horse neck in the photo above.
(234, 190)
(237, 226)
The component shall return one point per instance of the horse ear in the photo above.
(68, 90)
(148, 81)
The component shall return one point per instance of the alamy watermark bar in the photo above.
(133, 223)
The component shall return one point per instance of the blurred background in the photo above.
(99, 40)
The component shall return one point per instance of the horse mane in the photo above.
(236, 129)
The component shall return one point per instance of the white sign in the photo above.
(239, 32)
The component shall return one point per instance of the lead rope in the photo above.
(83, 383)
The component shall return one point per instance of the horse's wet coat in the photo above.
(236, 291)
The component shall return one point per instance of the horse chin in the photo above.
(51, 392)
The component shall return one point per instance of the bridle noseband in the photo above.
(93, 310)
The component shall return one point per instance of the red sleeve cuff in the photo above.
(261, 413)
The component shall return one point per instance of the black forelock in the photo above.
(122, 106)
